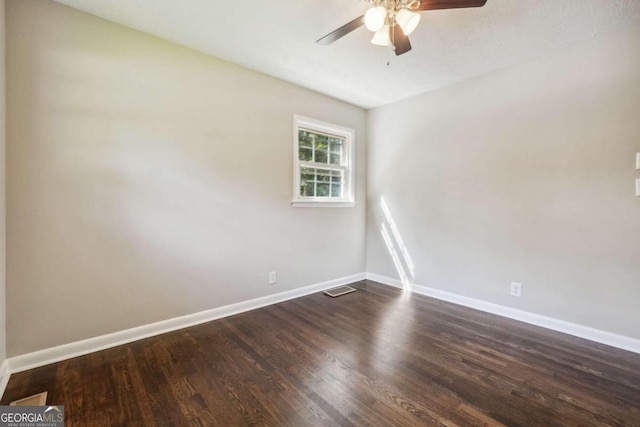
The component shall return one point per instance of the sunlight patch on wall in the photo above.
(398, 238)
(394, 257)
(396, 247)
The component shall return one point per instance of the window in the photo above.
(323, 164)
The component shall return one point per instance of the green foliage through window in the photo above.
(317, 182)
(323, 164)
(321, 149)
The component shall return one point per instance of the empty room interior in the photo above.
(320, 213)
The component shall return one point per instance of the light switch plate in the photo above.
(638, 161)
(638, 187)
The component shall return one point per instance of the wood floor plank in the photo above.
(375, 357)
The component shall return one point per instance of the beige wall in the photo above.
(148, 181)
(3, 253)
(525, 174)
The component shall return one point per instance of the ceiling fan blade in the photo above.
(400, 41)
(342, 31)
(449, 4)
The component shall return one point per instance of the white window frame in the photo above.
(348, 188)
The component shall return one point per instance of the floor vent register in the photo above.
(341, 290)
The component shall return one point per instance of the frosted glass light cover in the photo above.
(382, 37)
(407, 20)
(374, 18)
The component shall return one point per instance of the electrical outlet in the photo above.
(273, 277)
(638, 187)
(516, 289)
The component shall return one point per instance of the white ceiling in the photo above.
(277, 37)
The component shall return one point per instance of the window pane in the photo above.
(323, 176)
(334, 159)
(304, 138)
(336, 190)
(322, 141)
(321, 156)
(307, 182)
(307, 177)
(307, 190)
(322, 190)
(336, 145)
(306, 154)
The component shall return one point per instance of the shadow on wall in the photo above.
(396, 247)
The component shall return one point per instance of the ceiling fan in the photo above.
(393, 20)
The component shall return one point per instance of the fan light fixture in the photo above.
(374, 18)
(385, 14)
(382, 37)
(392, 21)
(407, 20)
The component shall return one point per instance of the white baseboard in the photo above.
(4, 376)
(90, 345)
(603, 337)
(385, 280)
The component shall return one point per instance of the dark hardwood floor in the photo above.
(374, 357)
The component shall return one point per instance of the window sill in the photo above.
(309, 204)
